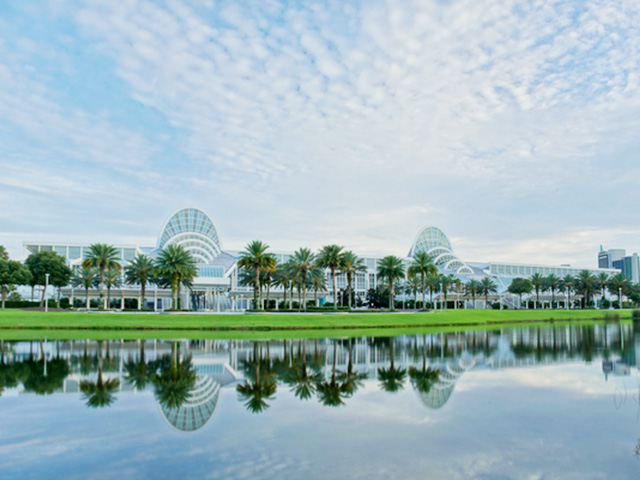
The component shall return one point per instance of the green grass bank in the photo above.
(34, 320)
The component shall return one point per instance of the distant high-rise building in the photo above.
(606, 258)
(630, 267)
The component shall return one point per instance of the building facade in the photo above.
(218, 286)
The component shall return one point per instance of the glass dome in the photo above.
(194, 230)
(434, 242)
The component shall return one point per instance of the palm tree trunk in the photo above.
(422, 280)
(304, 291)
(104, 306)
(256, 291)
(391, 302)
(284, 302)
(87, 292)
(141, 303)
(335, 290)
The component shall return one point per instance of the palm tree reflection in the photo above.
(392, 378)
(255, 393)
(175, 380)
(99, 393)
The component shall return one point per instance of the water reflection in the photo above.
(186, 377)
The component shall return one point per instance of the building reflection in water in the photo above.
(187, 376)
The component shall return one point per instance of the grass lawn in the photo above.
(12, 320)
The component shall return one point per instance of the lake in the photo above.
(519, 403)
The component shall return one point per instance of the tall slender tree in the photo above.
(177, 266)
(552, 283)
(85, 278)
(422, 266)
(330, 257)
(103, 257)
(601, 282)
(351, 265)
(391, 268)
(585, 285)
(254, 259)
(473, 288)
(488, 287)
(302, 262)
(112, 279)
(140, 272)
(539, 282)
(567, 285)
(618, 284)
(433, 284)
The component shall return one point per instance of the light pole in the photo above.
(46, 284)
(619, 298)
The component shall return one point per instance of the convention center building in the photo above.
(218, 287)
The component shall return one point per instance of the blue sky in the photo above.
(511, 125)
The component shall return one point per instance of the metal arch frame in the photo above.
(415, 241)
(468, 271)
(205, 247)
(187, 432)
(439, 260)
(164, 225)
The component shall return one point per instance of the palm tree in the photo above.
(139, 272)
(283, 277)
(473, 287)
(567, 285)
(176, 264)
(412, 287)
(422, 266)
(318, 282)
(601, 282)
(269, 269)
(103, 257)
(86, 278)
(585, 284)
(618, 284)
(446, 283)
(552, 282)
(111, 280)
(330, 256)
(351, 265)
(433, 283)
(538, 282)
(302, 262)
(391, 268)
(254, 259)
(99, 393)
(488, 287)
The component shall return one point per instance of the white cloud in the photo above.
(301, 122)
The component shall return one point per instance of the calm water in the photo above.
(520, 403)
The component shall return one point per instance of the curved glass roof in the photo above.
(433, 241)
(441, 391)
(198, 409)
(194, 230)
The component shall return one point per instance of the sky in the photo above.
(511, 125)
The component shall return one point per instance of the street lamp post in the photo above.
(619, 298)
(46, 284)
